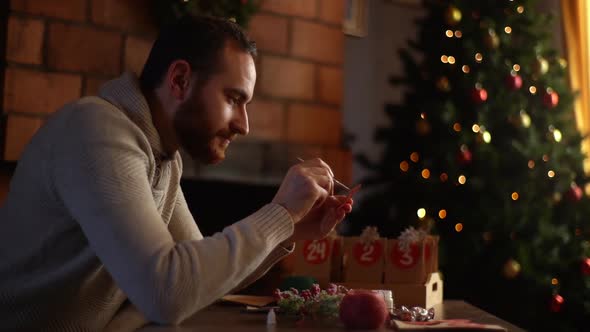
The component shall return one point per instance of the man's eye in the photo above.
(233, 101)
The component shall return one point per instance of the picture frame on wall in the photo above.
(356, 18)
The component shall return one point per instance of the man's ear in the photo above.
(178, 79)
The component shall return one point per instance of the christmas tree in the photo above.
(484, 151)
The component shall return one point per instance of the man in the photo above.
(95, 222)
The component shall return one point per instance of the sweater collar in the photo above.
(124, 92)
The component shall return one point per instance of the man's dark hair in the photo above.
(197, 39)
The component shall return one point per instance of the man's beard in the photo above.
(193, 132)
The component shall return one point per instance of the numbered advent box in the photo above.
(364, 262)
(411, 263)
(319, 259)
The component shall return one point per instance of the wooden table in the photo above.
(231, 318)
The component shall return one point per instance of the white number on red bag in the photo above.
(367, 254)
(405, 258)
(316, 252)
(367, 251)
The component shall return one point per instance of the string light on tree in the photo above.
(421, 213)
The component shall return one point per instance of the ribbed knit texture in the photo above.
(95, 221)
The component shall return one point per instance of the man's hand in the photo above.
(321, 220)
(307, 185)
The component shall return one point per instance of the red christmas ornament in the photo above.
(575, 193)
(514, 82)
(464, 156)
(556, 303)
(550, 99)
(363, 309)
(586, 266)
(479, 95)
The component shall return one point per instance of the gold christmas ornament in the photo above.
(443, 84)
(491, 39)
(540, 66)
(511, 269)
(525, 119)
(423, 127)
(453, 15)
(557, 197)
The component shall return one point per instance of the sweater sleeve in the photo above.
(182, 226)
(100, 173)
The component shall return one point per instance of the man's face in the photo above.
(215, 112)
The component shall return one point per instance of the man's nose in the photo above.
(240, 121)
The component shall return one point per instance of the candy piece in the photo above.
(414, 314)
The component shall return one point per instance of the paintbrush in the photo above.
(334, 179)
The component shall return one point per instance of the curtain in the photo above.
(576, 20)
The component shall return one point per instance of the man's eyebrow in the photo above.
(241, 93)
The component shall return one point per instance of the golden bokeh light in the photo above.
(415, 157)
(457, 127)
(531, 164)
(458, 227)
(514, 196)
(462, 179)
(551, 174)
(426, 173)
(421, 213)
(475, 128)
(404, 166)
(508, 30)
(442, 214)
(449, 33)
(516, 67)
(557, 135)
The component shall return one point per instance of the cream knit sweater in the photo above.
(95, 222)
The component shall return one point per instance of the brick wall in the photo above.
(59, 50)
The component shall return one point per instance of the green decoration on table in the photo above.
(313, 302)
(298, 282)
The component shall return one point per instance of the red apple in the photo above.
(363, 309)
